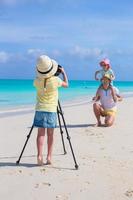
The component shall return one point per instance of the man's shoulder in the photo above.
(100, 90)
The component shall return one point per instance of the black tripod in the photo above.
(59, 113)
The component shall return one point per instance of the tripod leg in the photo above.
(61, 131)
(28, 136)
(68, 137)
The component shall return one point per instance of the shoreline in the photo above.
(23, 109)
(77, 95)
(31, 107)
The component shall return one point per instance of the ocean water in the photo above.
(15, 93)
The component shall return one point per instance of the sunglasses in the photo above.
(103, 65)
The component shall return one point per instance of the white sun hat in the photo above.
(46, 67)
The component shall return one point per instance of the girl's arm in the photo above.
(97, 72)
(112, 75)
(113, 94)
(65, 79)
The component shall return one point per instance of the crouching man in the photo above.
(107, 107)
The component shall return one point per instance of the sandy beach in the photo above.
(104, 156)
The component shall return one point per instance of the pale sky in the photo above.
(76, 33)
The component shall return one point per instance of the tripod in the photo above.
(59, 114)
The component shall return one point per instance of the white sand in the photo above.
(104, 156)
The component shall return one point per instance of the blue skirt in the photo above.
(44, 119)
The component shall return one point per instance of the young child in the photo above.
(46, 84)
(106, 70)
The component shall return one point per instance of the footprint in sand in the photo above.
(92, 132)
(42, 170)
(48, 184)
(42, 184)
(129, 193)
(20, 171)
(61, 197)
(37, 185)
(102, 148)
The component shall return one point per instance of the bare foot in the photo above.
(98, 124)
(39, 161)
(48, 162)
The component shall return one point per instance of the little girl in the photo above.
(106, 70)
(47, 84)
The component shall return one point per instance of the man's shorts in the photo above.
(111, 112)
(44, 119)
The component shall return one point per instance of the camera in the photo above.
(58, 70)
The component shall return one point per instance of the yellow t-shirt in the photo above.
(47, 98)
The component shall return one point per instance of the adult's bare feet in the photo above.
(98, 124)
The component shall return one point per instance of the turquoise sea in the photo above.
(15, 93)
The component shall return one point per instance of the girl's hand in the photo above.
(61, 69)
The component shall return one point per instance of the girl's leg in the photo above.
(113, 94)
(50, 139)
(40, 142)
